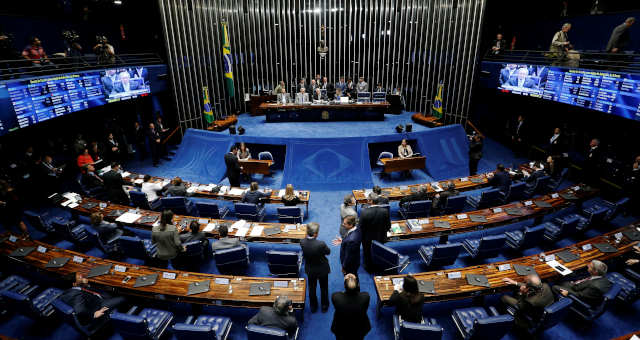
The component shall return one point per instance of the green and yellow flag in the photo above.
(226, 54)
(208, 111)
(436, 108)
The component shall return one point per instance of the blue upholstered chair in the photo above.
(516, 192)
(530, 237)
(415, 209)
(383, 154)
(42, 222)
(290, 215)
(232, 260)
(440, 255)
(551, 316)
(487, 246)
(148, 324)
(387, 259)
(38, 306)
(255, 332)
(455, 204)
(138, 248)
(404, 330)
(70, 231)
(140, 200)
(266, 155)
(205, 327)
(90, 192)
(628, 288)
(613, 209)
(565, 225)
(487, 198)
(211, 210)
(14, 284)
(284, 263)
(587, 312)
(554, 183)
(478, 323)
(179, 205)
(69, 315)
(249, 211)
(110, 246)
(539, 187)
(195, 251)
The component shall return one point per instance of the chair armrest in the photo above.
(632, 275)
(132, 310)
(189, 319)
(493, 311)
(29, 290)
(576, 300)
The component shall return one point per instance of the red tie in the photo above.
(92, 292)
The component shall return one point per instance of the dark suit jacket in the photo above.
(315, 257)
(409, 311)
(533, 305)
(233, 166)
(113, 183)
(83, 303)
(119, 88)
(475, 150)
(254, 196)
(350, 251)
(534, 176)
(176, 190)
(521, 133)
(90, 180)
(591, 291)
(416, 196)
(620, 38)
(350, 318)
(190, 237)
(502, 47)
(557, 146)
(374, 223)
(225, 242)
(501, 180)
(528, 82)
(268, 317)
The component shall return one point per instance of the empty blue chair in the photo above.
(290, 215)
(565, 225)
(455, 204)
(86, 191)
(70, 231)
(232, 260)
(383, 154)
(416, 209)
(551, 315)
(140, 200)
(195, 251)
(539, 187)
(42, 222)
(38, 306)
(211, 210)
(109, 246)
(628, 288)
(255, 332)
(613, 208)
(530, 237)
(404, 330)
(70, 316)
(138, 248)
(487, 246)
(516, 192)
(440, 255)
(387, 259)
(15, 283)
(205, 327)
(587, 312)
(488, 198)
(477, 323)
(148, 324)
(179, 205)
(249, 211)
(284, 263)
(591, 217)
(266, 155)
(554, 183)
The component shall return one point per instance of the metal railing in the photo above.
(623, 62)
(21, 68)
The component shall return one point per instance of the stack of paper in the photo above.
(138, 181)
(256, 231)
(289, 227)
(128, 217)
(236, 192)
(436, 186)
(210, 227)
(126, 174)
(414, 225)
(242, 232)
(238, 225)
(192, 189)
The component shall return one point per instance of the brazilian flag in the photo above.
(226, 54)
(436, 108)
(208, 112)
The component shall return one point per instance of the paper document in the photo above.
(192, 189)
(238, 225)
(138, 181)
(73, 205)
(559, 268)
(256, 231)
(126, 174)
(236, 192)
(128, 217)
(209, 228)
(242, 232)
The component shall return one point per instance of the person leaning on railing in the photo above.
(35, 53)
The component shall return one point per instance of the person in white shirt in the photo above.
(404, 150)
(150, 188)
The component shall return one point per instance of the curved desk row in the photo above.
(172, 285)
(452, 284)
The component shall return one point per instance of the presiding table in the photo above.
(256, 166)
(317, 112)
(403, 164)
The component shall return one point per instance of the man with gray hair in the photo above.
(316, 266)
(591, 289)
(529, 301)
(440, 200)
(560, 43)
(620, 37)
(279, 316)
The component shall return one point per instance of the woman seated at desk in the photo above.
(290, 198)
(404, 150)
(243, 152)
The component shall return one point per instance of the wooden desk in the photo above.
(324, 112)
(429, 121)
(163, 289)
(628, 336)
(494, 218)
(223, 124)
(403, 164)
(256, 166)
(453, 289)
(256, 100)
(292, 236)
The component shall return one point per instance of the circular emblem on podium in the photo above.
(325, 115)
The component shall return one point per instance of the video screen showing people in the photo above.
(523, 78)
(125, 82)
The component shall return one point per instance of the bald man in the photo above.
(529, 300)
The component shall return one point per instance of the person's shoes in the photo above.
(313, 309)
(325, 309)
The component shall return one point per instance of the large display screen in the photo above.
(609, 92)
(39, 99)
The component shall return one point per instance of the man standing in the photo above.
(316, 266)
(591, 289)
(620, 37)
(498, 45)
(560, 42)
(593, 162)
(362, 85)
(113, 183)
(349, 246)
(475, 154)
(91, 307)
(279, 88)
(350, 320)
(519, 135)
(374, 225)
(341, 85)
(154, 143)
(233, 167)
(529, 301)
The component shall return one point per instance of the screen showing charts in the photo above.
(609, 92)
(37, 100)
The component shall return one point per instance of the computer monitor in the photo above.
(364, 97)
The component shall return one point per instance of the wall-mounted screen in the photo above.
(609, 92)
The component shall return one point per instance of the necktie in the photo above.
(92, 292)
(581, 281)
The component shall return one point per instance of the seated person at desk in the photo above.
(150, 188)
(254, 196)
(84, 158)
(194, 233)
(89, 178)
(537, 173)
(290, 198)
(279, 316)
(408, 301)
(350, 89)
(319, 95)
(379, 88)
(225, 241)
(376, 195)
(420, 195)
(176, 188)
(362, 85)
(404, 149)
(440, 199)
(243, 153)
(339, 94)
(106, 231)
(591, 289)
(302, 97)
(529, 301)
(283, 96)
(500, 179)
(113, 183)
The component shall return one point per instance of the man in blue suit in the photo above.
(522, 79)
(349, 246)
(500, 179)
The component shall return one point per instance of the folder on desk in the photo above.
(568, 196)
(198, 287)
(605, 247)
(441, 224)
(271, 231)
(476, 180)
(99, 270)
(542, 204)
(567, 256)
(478, 218)
(426, 287)
(478, 280)
(260, 289)
(57, 262)
(523, 270)
(633, 235)
(146, 280)
(115, 213)
(148, 219)
(89, 205)
(22, 251)
(514, 211)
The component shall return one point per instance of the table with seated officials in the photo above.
(171, 285)
(323, 111)
(453, 284)
(145, 219)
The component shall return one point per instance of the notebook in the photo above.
(605, 247)
(99, 270)
(514, 211)
(260, 289)
(568, 196)
(271, 231)
(567, 256)
(89, 205)
(115, 213)
(523, 270)
(478, 218)
(22, 251)
(57, 262)
(478, 280)
(476, 180)
(198, 287)
(148, 219)
(146, 280)
(426, 287)
(441, 224)
(542, 204)
(633, 235)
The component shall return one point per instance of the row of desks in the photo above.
(172, 285)
(315, 112)
(452, 284)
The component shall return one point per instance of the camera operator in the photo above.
(104, 51)
(72, 47)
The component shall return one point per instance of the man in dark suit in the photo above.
(139, 137)
(113, 183)
(155, 143)
(225, 241)
(377, 195)
(537, 173)
(498, 45)
(316, 266)
(440, 199)
(500, 179)
(349, 246)
(194, 234)
(350, 320)
(279, 316)
(420, 195)
(522, 80)
(475, 154)
(89, 178)
(506, 73)
(529, 301)
(341, 85)
(556, 143)
(106, 231)
(374, 225)
(519, 135)
(125, 85)
(591, 289)
(176, 188)
(620, 37)
(91, 307)
(593, 163)
(233, 167)
(108, 80)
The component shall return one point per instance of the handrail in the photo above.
(583, 59)
(475, 129)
